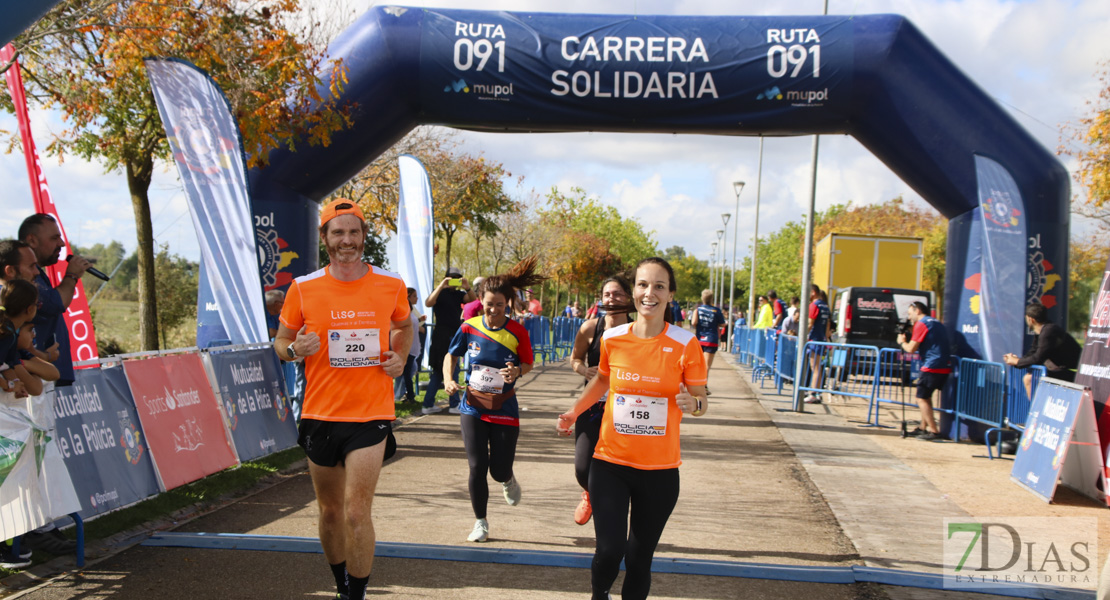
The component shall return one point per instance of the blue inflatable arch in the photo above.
(875, 77)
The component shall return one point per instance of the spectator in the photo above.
(407, 380)
(474, 307)
(446, 302)
(1053, 347)
(930, 338)
(275, 299)
(41, 232)
(778, 308)
(18, 303)
(679, 315)
(764, 318)
(818, 332)
(573, 310)
(790, 323)
(792, 310)
(534, 306)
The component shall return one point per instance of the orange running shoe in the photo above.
(584, 511)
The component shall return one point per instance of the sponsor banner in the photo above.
(180, 417)
(1003, 261)
(35, 487)
(608, 70)
(1094, 364)
(80, 344)
(256, 409)
(415, 235)
(1060, 443)
(102, 442)
(204, 139)
(210, 328)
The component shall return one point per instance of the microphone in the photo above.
(92, 271)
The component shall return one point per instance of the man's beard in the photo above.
(355, 254)
(51, 260)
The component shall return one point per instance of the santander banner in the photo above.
(82, 340)
(180, 417)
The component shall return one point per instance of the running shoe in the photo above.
(917, 432)
(454, 410)
(584, 511)
(431, 410)
(6, 549)
(8, 559)
(812, 399)
(929, 436)
(480, 533)
(512, 491)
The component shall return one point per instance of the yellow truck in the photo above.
(853, 260)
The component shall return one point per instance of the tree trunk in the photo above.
(139, 173)
(448, 236)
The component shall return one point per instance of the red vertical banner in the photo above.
(82, 339)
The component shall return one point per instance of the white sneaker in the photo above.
(454, 410)
(812, 399)
(431, 410)
(512, 491)
(480, 533)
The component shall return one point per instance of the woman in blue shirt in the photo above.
(500, 353)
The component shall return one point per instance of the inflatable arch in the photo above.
(874, 77)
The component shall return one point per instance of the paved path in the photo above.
(758, 486)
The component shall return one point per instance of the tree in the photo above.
(176, 284)
(1093, 155)
(467, 191)
(86, 58)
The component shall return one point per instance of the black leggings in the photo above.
(652, 495)
(489, 447)
(586, 431)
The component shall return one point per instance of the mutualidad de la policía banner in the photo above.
(255, 408)
(102, 441)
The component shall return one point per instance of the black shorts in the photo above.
(930, 382)
(709, 349)
(327, 443)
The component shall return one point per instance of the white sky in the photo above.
(1037, 58)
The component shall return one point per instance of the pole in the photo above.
(724, 248)
(807, 259)
(738, 186)
(712, 265)
(755, 236)
(720, 267)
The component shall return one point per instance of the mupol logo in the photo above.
(457, 86)
(770, 94)
(334, 336)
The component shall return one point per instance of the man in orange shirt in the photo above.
(350, 323)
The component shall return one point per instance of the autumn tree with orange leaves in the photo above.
(85, 57)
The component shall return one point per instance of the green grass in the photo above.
(118, 320)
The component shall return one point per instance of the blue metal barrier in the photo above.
(980, 392)
(765, 369)
(564, 329)
(539, 332)
(844, 370)
(897, 371)
(786, 360)
(1017, 403)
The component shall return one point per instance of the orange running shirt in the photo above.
(346, 315)
(641, 423)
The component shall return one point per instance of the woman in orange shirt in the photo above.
(654, 372)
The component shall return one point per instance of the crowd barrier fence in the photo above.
(786, 360)
(135, 425)
(565, 330)
(539, 333)
(844, 369)
(897, 370)
(980, 392)
(1017, 403)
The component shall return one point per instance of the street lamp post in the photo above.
(738, 186)
(755, 236)
(724, 248)
(712, 265)
(720, 265)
